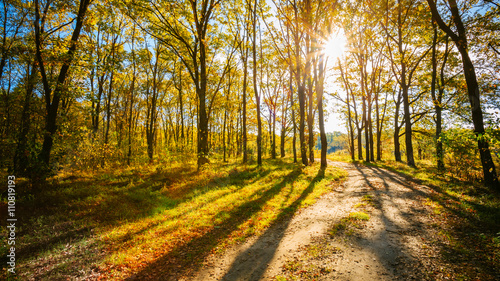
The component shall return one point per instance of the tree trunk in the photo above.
(181, 106)
(360, 143)
(370, 129)
(256, 92)
(283, 127)
(21, 156)
(367, 139)
(378, 128)
(202, 110)
(294, 123)
(310, 120)
(108, 107)
(273, 151)
(437, 98)
(244, 122)
(319, 96)
(397, 146)
(410, 161)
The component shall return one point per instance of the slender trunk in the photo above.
(282, 143)
(367, 140)
(224, 135)
(256, 92)
(301, 92)
(439, 109)
(360, 143)
(181, 106)
(351, 129)
(283, 128)
(97, 102)
(407, 119)
(294, 123)
(319, 96)
(21, 157)
(410, 161)
(378, 128)
(397, 146)
(310, 119)
(225, 118)
(370, 128)
(244, 122)
(436, 99)
(132, 89)
(349, 116)
(108, 107)
(273, 151)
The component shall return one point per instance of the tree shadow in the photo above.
(264, 249)
(57, 217)
(189, 256)
(401, 260)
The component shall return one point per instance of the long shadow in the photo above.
(389, 251)
(108, 213)
(189, 255)
(398, 258)
(450, 202)
(263, 250)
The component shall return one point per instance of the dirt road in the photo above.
(390, 245)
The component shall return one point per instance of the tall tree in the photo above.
(405, 55)
(254, 76)
(460, 38)
(54, 93)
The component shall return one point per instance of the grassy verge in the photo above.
(155, 220)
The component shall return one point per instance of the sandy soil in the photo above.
(390, 246)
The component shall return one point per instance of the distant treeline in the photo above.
(336, 141)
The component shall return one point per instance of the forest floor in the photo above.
(233, 221)
(379, 225)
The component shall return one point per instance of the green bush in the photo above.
(462, 155)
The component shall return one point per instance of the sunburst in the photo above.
(335, 46)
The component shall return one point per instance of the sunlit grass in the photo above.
(362, 216)
(137, 216)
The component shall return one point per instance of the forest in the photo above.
(140, 140)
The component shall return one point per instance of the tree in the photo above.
(255, 90)
(54, 93)
(460, 38)
(405, 56)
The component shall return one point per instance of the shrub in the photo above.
(462, 155)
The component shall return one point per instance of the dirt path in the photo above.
(389, 246)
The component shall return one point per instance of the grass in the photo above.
(362, 216)
(366, 201)
(352, 221)
(157, 219)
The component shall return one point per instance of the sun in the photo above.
(335, 45)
